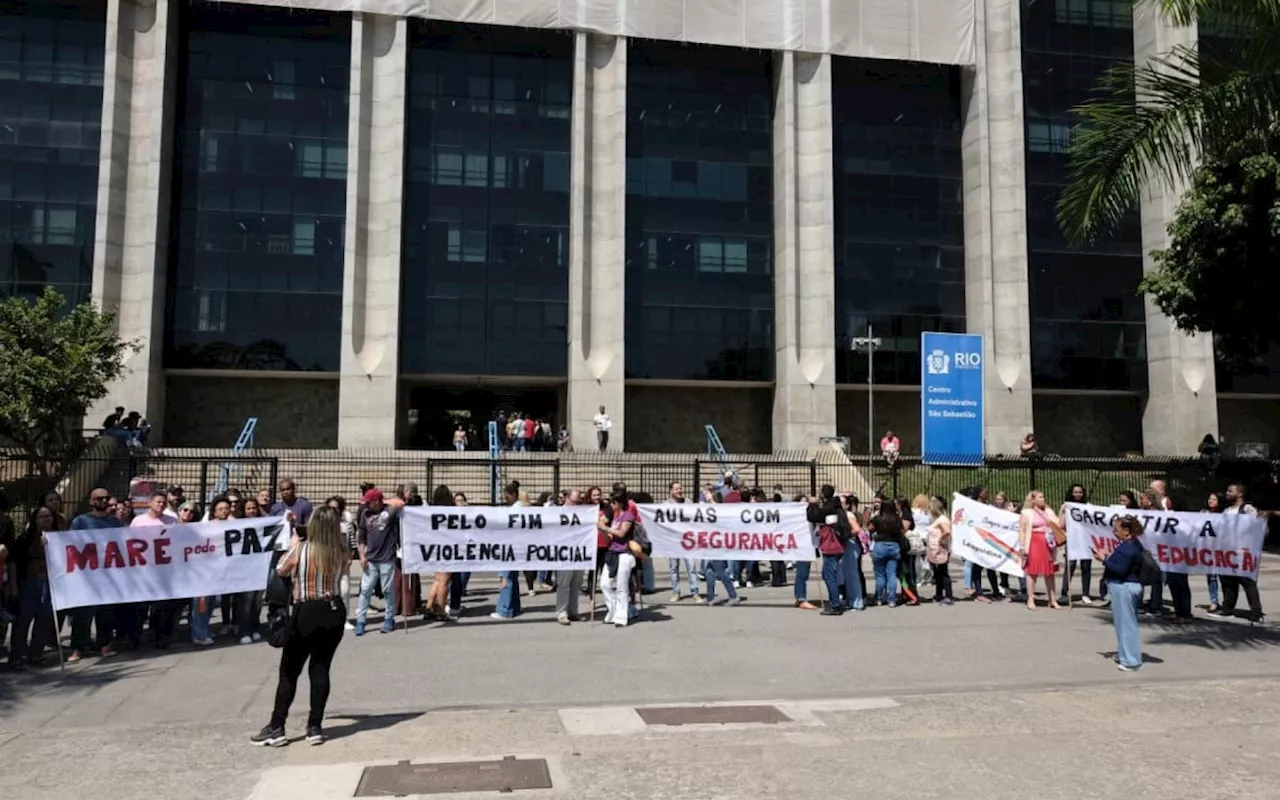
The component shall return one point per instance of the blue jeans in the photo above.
(1124, 615)
(200, 619)
(802, 582)
(385, 576)
(849, 568)
(1213, 589)
(519, 443)
(459, 446)
(34, 625)
(718, 571)
(1180, 592)
(831, 578)
(884, 556)
(674, 567)
(509, 597)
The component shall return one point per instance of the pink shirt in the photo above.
(148, 521)
(887, 444)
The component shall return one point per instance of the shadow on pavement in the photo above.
(340, 726)
(1213, 635)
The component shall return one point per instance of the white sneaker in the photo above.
(563, 619)
(453, 612)
(348, 627)
(496, 615)
(203, 642)
(246, 639)
(257, 637)
(1086, 600)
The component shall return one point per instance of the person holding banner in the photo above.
(29, 576)
(1232, 584)
(938, 551)
(377, 537)
(1076, 494)
(1123, 574)
(100, 617)
(1035, 531)
(619, 562)
(316, 567)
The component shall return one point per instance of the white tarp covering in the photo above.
(934, 31)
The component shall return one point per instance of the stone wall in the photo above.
(1088, 425)
(896, 411)
(210, 412)
(1249, 420)
(673, 419)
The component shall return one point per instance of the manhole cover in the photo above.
(507, 775)
(712, 715)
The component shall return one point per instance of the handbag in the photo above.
(281, 625)
(640, 546)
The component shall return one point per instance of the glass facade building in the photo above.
(899, 215)
(1088, 324)
(486, 205)
(51, 63)
(260, 195)
(699, 227)
(554, 215)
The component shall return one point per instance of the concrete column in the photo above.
(1182, 395)
(375, 194)
(597, 226)
(130, 254)
(997, 301)
(804, 399)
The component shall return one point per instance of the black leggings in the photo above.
(316, 636)
(941, 582)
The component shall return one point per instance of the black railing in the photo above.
(319, 475)
(1189, 481)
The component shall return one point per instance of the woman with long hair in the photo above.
(458, 581)
(347, 526)
(1035, 529)
(939, 551)
(34, 625)
(438, 595)
(316, 567)
(1076, 494)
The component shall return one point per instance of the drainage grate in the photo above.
(712, 715)
(507, 775)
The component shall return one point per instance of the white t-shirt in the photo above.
(603, 423)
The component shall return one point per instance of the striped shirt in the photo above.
(309, 583)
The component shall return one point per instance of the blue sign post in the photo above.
(951, 423)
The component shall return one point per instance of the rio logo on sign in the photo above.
(951, 418)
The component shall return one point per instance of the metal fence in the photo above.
(320, 474)
(1189, 481)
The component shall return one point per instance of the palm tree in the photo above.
(1193, 103)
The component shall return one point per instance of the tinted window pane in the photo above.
(899, 215)
(259, 189)
(486, 217)
(1088, 329)
(51, 61)
(699, 232)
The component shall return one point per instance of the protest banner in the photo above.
(106, 566)
(1181, 541)
(498, 538)
(985, 535)
(729, 531)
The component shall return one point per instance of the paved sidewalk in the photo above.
(1005, 699)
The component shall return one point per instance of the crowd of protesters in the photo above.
(907, 543)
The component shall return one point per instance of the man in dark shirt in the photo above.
(292, 505)
(378, 538)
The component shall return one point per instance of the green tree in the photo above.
(53, 366)
(1210, 119)
(1219, 273)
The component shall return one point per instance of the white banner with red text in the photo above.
(729, 531)
(985, 535)
(1185, 542)
(498, 538)
(106, 566)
